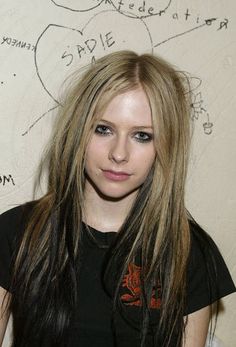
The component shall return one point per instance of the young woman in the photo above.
(110, 256)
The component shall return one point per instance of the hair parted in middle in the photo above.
(157, 224)
(115, 74)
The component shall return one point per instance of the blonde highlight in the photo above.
(157, 225)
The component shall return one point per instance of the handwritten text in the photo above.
(6, 180)
(17, 43)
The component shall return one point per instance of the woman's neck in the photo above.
(106, 214)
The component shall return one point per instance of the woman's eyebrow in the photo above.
(134, 127)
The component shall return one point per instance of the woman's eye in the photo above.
(143, 137)
(102, 130)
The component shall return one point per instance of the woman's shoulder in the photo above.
(12, 224)
(208, 277)
(201, 243)
(204, 252)
(12, 220)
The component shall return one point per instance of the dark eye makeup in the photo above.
(102, 129)
(142, 136)
(139, 136)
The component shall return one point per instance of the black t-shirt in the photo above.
(91, 326)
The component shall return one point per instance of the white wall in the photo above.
(42, 41)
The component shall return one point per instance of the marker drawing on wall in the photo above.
(6, 180)
(141, 8)
(38, 119)
(17, 43)
(198, 110)
(206, 23)
(77, 6)
(68, 48)
(130, 8)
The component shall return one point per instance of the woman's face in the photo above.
(121, 151)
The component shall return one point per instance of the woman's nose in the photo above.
(119, 151)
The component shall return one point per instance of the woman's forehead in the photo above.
(131, 107)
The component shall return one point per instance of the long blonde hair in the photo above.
(157, 224)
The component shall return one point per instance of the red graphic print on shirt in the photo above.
(131, 282)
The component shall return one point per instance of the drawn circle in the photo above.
(77, 6)
(61, 50)
(141, 8)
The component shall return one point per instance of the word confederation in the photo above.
(141, 9)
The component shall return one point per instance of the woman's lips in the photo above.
(115, 175)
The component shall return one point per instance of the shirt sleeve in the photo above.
(6, 247)
(11, 227)
(208, 278)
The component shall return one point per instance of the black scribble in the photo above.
(77, 7)
(207, 22)
(197, 105)
(199, 110)
(191, 83)
(38, 119)
(89, 45)
(224, 24)
(207, 126)
(106, 41)
(35, 58)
